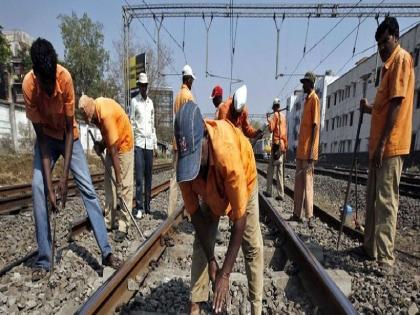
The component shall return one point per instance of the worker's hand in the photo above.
(364, 105)
(119, 191)
(221, 292)
(53, 201)
(99, 147)
(155, 153)
(62, 191)
(378, 155)
(267, 115)
(213, 270)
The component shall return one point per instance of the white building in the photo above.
(344, 94)
(17, 40)
(296, 101)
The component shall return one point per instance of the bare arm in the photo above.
(68, 149)
(113, 151)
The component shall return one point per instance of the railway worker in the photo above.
(237, 114)
(50, 104)
(276, 125)
(143, 122)
(217, 98)
(184, 95)
(216, 165)
(389, 141)
(307, 152)
(117, 138)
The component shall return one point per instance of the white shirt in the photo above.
(142, 118)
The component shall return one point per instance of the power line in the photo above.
(316, 44)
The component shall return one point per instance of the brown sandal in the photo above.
(38, 273)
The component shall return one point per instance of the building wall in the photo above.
(345, 94)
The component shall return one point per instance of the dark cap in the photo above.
(310, 76)
(189, 130)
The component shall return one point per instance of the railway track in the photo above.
(409, 185)
(16, 198)
(115, 294)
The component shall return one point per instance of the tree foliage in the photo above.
(5, 52)
(84, 55)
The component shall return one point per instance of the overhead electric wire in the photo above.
(316, 44)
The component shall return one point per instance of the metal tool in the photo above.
(53, 213)
(122, 202)
(353, 167)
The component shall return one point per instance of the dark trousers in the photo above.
(144, 165)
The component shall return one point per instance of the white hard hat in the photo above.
(187, 71)
(239, 98)
(276, 101)
(142, 78)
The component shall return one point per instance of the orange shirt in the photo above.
(397, 82)
(114, 124)
(310, 116)
(51, 111)
(231, 176)
(241, 121)
(277, 125)
(184, 95)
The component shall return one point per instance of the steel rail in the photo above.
(322, 289)
(409, 186)
(115, 290)
(15, 198)
(83, 224)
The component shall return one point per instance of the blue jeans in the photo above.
(80, 171)
(144, 165)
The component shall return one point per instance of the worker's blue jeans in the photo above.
(80, 171)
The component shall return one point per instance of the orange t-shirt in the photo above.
(184, 95)
(231, 176)
(241, 121)
(279, 130)
(114, 124)
(310, 117)
(51, 111)
(397, 82)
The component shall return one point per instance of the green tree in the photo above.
(5, 52)
(84, 54)
(24, 55)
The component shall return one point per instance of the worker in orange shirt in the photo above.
(237, 113)
(217, 176)
(184, 95)
(49, 103)
(389, 141)
(217, 97)
(276, 125)
(307, 152)
(118, 139)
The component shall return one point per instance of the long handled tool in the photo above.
(353, 166)
(53, 217)
(124, 205)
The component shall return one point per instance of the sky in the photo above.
(255, 45)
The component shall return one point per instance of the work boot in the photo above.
(268, 195)
(112, 261)
(295, 218)
(38, 273)
(384, 269)
(120, 236)
(361, 252)
(194, 308)
(311, 223)
(138, 213)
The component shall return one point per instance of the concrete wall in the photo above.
(18, 135)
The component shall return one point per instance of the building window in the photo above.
(328, 101)
(326, 125)
(351, 118)
(335, 98)
(418, 99)
(354, 89)
(332, 124)
(364, 88)
(416, 56)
